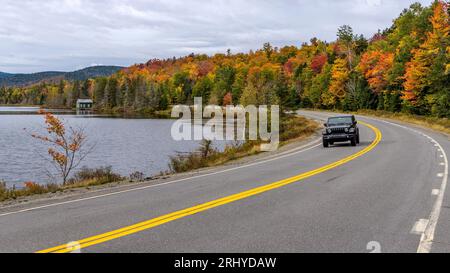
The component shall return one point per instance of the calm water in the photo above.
(128, 145)
(13, 109)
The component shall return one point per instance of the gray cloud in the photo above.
(37, 35)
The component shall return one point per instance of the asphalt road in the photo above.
(385, 195)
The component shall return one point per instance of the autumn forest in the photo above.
(404, 68)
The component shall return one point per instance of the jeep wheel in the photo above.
(353, 141)
(357, 139)
(325, 144)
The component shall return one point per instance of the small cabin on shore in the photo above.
(85, 104)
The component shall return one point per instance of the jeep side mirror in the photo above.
(356, 122)
(326, 125)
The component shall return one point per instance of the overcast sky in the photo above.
(65, 35)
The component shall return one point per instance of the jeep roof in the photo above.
(345, 119)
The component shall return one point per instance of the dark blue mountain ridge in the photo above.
(18, 80)
(5, 75)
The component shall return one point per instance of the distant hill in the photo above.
(4, 75)
(9, 80)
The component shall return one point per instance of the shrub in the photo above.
(34, 188)
(30, 188)
(85, 177)
(137, 176)
(4, 191)
(98, 176)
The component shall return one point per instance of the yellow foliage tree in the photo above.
(339, 78)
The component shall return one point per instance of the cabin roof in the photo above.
(85, 101)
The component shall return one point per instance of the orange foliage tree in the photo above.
(375, 66)
(67, 146)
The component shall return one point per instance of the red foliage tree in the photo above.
(318, 62)
(228, 99)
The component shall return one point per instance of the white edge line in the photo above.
(419, 227)
(427, 237)
(426, 240)
(289, 153)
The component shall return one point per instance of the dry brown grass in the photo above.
(84, 178)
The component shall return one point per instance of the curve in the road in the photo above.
(427, 236)
(98, 239)
(429, 225)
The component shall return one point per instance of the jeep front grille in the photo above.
(337, 130)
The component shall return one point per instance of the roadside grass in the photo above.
(84, 178)
(292, 128)
(437, 124)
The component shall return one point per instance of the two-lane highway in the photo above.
(387, 192)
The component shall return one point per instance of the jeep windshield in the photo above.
(340, 121)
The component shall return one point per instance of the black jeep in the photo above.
(341, 129)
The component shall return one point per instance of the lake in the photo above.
(128, 145)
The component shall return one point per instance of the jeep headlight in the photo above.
(346, 130)
(328, 131)
(352, 130)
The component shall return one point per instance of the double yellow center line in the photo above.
(108, 236)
